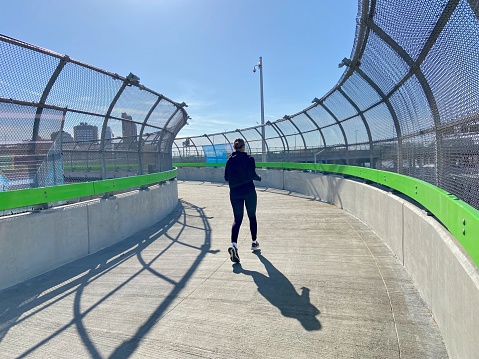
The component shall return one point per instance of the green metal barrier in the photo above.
(461, 219)
(37, 196)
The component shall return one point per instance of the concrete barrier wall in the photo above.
(34, 243)
(211, 175)
(443, 273)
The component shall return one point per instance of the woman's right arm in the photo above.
(227, 172)
(252, 170)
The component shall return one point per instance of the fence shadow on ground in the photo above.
(32, 297)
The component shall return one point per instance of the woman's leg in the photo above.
(238, 212)
(251, 201)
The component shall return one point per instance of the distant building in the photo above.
(108, 133)
(128, 128)
(85, 132)
(108, 139)
(66, 137)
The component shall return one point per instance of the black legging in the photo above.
(238, 204)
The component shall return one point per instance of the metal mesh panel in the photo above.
(177, 122)
(419, 157)
(231, 136)
(148, 153)
(166, 140)
(295, 142)
(385, 155)
(422, 55)
(303, 123)
(339, 106)
(20, 155)
(194, 148)
(251, 134)
(286, 127)
(104, 118)
(313, 139)
(150, 139)
(320, 116)
(355, 130)
(74, 119)
(411, 108)
(333, 135)
(253, 138)
(81, 88)
(126, 131)
(460, 163)
(273, 139)
(408, 22)
(135, 103)
(455, 88)
(16, 123)
(360, 92)
(381, 123)
(49, 124)
(185, 150)
(382, 64)
(216, 139)
(50, 172)
(24, 73)
(161, 114)
(82, 161)
(198, 148)
(176, 151)
(123, 159)
(427, 124)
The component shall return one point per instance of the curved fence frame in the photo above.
(408, 102)
(58, 119)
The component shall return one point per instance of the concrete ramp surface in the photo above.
(323, 286)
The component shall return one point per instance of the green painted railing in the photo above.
(461, 219)
(37, 196)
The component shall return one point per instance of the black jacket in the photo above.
(240, 173)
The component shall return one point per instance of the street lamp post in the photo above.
(263, 145)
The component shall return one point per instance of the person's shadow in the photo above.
(279, 291)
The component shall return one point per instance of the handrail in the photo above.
(460, 219)
(38, 196)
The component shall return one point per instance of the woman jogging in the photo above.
(240, 173)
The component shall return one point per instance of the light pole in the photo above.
(263, 146)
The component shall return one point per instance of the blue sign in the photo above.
(217, 153)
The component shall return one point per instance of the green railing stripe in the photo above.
(461, 219)
(36, 196)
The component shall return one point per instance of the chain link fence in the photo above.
(62, 120)
(408, 101)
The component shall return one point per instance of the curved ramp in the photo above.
(324, 286)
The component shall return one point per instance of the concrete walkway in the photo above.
(324, 286)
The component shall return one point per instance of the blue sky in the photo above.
(201, 52)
